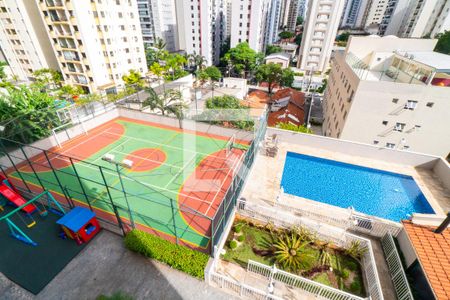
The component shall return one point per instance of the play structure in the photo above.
(25, 210)
(80, 224)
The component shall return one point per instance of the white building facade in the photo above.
(95, 42)
(201, 27)
(250, 20)
(23, 39)
(320, 28)
(158, 20)
(390, 92)
(353, 14)
(416, 18)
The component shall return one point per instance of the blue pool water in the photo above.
(374, 192)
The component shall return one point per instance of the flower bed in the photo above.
(297, 251)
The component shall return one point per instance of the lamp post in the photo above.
(124, 164)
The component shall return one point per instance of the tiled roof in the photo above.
(433, 251)
(283, 115)
(256, 99)
(296, 97)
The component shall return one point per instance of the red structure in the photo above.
(80, 224)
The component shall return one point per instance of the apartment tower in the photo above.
(289, 13)
(23, 39)
(319, 33)
(391, 92)
(353, 14)
(96, 42)
(201, 27)
(250, 20)
(158, 20)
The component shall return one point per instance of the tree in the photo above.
(27, 113)
(158, 71)
(443, 44)
(243, 59)
(212, 74)
(273, 74)
(298, 39)
(70, 91)
(153, 55)
(273, 49)
(170, 102)
(322, 88)
(133, 78)
(227, 108)
(3, 76)
(343, 37)
(197, 60)
(285, 35)
(175, 64)
(160, 44)
(48, 78)
(299, 21)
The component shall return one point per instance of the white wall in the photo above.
(407, 249)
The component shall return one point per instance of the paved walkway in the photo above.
(105, 267)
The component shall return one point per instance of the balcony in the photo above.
(54, 3)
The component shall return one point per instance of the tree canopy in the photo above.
(133, 78)
(299, 21)
(273, 49)
(210, 73)
(284, 35)
(298, 39)
(243, 59)
(443, 44)
(343, 37)
(273, 75)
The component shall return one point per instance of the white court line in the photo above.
(112, 150)
(147, 159)
(235, 164)
(182, 169)
(168, 146)
(76, 145)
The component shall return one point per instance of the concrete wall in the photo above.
(442, 170)
(357, 149)
(407, 249)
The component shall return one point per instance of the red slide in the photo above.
(15, 198)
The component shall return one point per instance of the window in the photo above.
(430, 104)
(399, 127)
(385, 122)
(411, 105)
(376, 142)
(390, 145)
(395, 100)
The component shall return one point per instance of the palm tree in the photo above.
(170, 102)
(160, 44)
(197, 60)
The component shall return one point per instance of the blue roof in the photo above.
(76, 218)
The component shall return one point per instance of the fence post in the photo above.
(54, 173)
(80, 182)
(119, 220)
(32, 168)
(15, 167)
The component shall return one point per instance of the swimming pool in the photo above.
(374, 192)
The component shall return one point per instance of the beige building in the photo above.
(320, 28)
(23, 39)
(390, 92)
(96, 42)
(282, 59)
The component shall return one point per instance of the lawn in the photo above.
(253, 241)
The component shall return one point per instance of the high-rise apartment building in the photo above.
(302, 8)
(373, 15)
(320, 28)
(96, 42)
(201, 27)
(289, 13)
(23, 39)
(273, 21)
(353, 14)
(158, 20)
(390, 92)
(250, 20)
(416, 18)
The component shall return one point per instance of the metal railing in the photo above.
(312, 287)
(396, 270)
(240, 288)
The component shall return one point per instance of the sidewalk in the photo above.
(105, 266)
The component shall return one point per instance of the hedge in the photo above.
(178, 257)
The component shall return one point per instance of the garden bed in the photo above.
(297, 251)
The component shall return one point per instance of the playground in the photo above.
(158, 178)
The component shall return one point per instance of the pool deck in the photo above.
(263, 185)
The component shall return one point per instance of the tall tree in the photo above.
(273, 49)
(243, 58)
(273, 75)
(443, 44)
(170, 102)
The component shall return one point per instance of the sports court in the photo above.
(173, 188)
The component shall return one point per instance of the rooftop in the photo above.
(279, 55)
(432, 249)
(439, 61)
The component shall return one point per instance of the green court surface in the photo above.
(164, 176)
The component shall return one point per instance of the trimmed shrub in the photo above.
(116, 296)
(178, 257)
(233, 244)
(344, 274)
(355, 287)
(238, 228)
(241, 238)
